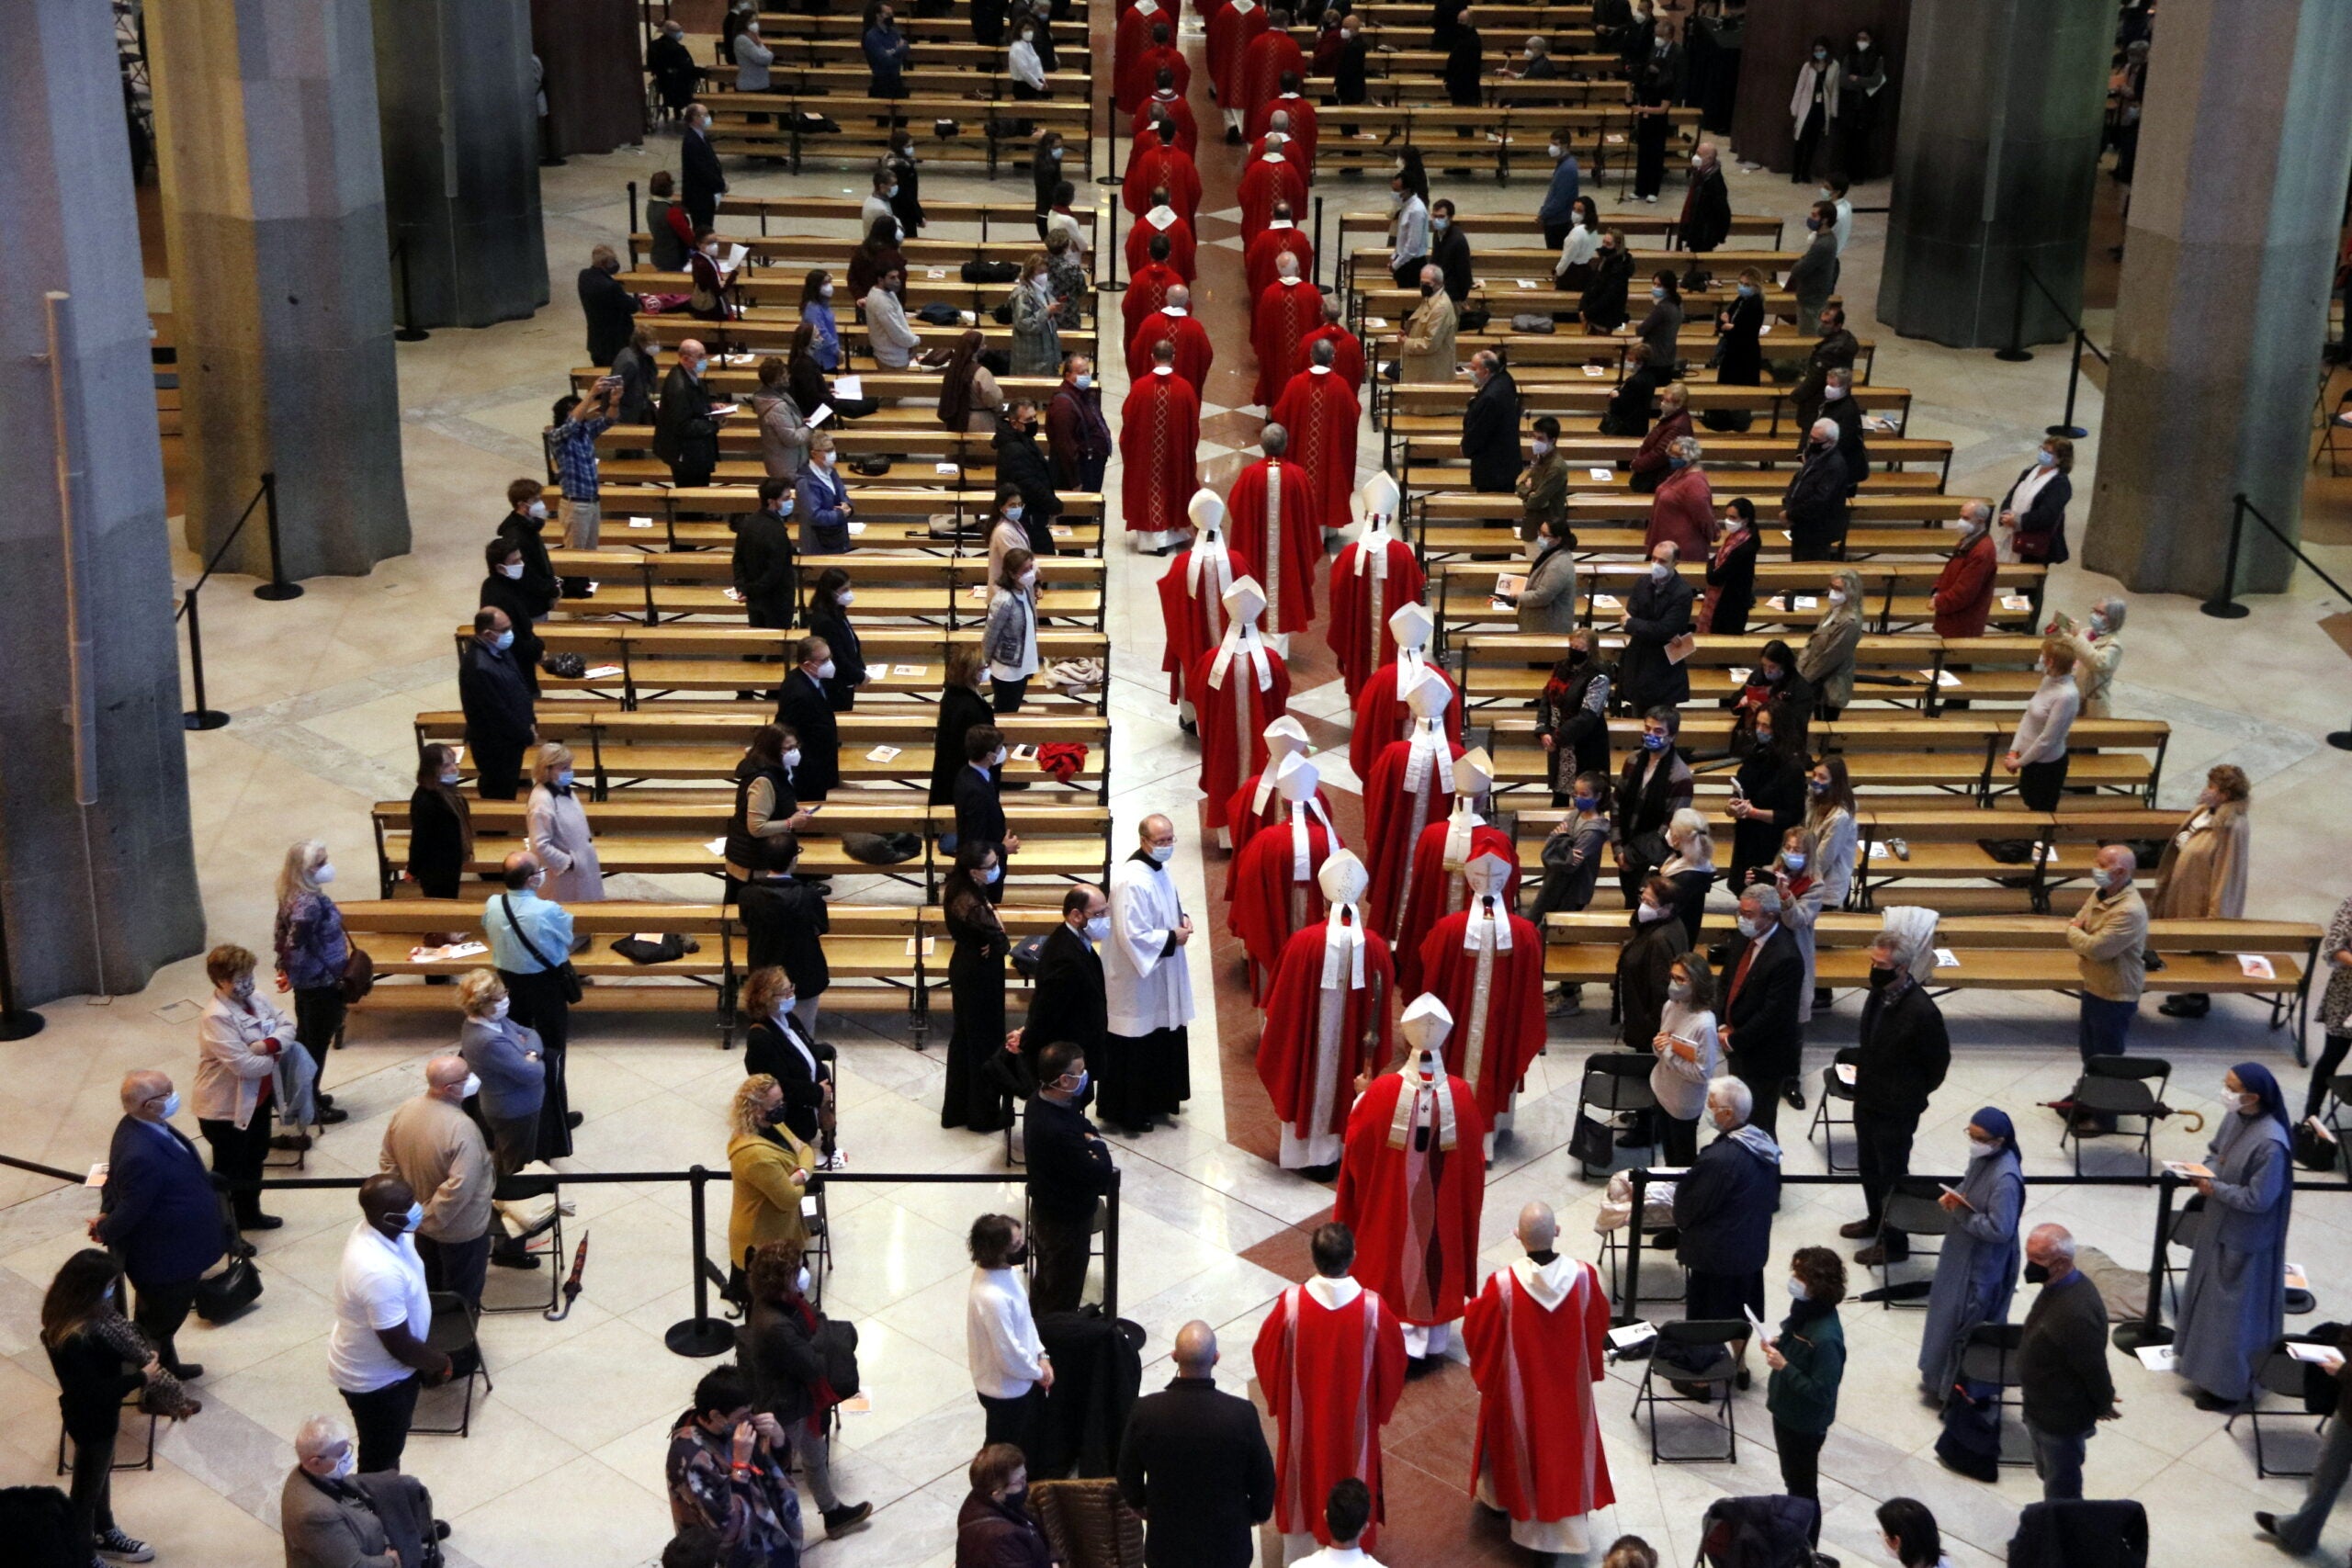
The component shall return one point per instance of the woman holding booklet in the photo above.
(1976, 1271)
(1688, 1056)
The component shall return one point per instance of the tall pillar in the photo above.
(461, 158)
(281, 284)
(596, 72)
(2244, 148)
(98, 871)
(2002, 105)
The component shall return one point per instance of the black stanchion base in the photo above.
(2071, 431)
(204, 719)
(2340, 738)
(410, 334)
(277, 591)
(2012, 355)
(700, 1337)
(2224, 609)
(21, 1025)
(2130, 1337)
(1118, 288)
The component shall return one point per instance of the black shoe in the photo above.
(516, 1259)
(295, 1142)
(1665, 1240)
(2214, 1402)
(1703, 1393)
(1794, 1095)
(329, 1115)
(1855, 1230)
(2267, 1523)
(1740, 1380)
(1418, 1367)
(259, 1223)
(188, 1372)
(572, 1119)
(326, 1100)
(845, 1518)
(440, 1530)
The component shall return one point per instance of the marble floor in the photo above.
(563, 1465)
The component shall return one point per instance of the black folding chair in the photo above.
(2119, 1086)
(1706, 1344)
(1911, 1209)
(2282, 1374)
(1989, 1356)
(1618, 1083)
(454, 1335)
(145, 1462)
(520, 1187)
(1835, 1090)
(2188, 1229)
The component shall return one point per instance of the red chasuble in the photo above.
(1286, 312)
(1412, 1194)
(1163, 168)
(1128, 46)
(1193, 353)
(1233, 715)
(1261, 75)
(1381, 715)
(1332, 1380)
(1147, 292)
(1436, 890)
(1393, 821)
(1302, 120)
(1489, 1050)
(1188, 131)
(1320, 414)
(1160, 434)
(1362, 603)
(1270, 517)
(1309, 1093)
(1192, 605)
(1244, 815)
(1264, 182)
(1535, 1353)
(1347, 354)
(1181, 247)
(1271, 899)
(1230, 33)
(1290, 152)
(1143, 76)
(1258, 259)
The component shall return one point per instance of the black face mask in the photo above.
(1017, 1256)
(1428, 289)
(1881, 978)
(2037, 1273)
(775, 1118)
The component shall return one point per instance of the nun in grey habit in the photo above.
(1976, 1271)
(2233, 1307)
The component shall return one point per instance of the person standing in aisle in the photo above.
(1814, 107)
(313, 953)
(1069, 1171)
(1146, 1072)
(2064, 1386)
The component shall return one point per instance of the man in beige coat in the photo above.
(1428, 333)
(2202, 875)
(436, 1148)
(2109, 936)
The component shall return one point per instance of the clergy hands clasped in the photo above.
(1183, 930)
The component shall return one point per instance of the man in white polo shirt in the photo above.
(377, 1355)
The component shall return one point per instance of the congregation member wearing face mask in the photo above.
(559, 832)
(511, 1066)
(1010, 639)
(504, 586)
(1068, 1000)
(1767, 793)
(979, 807)
(803, 707)
(1646, 968)
(1559, 209)
(1542, 488)
(1731, 571)
(1069, 1171)
(1835, 349)
(530, 940)
(158, 1213)
(2030, 524)
(2110, 938)
(1690, 868)
(1572, 717)
(524, 530)
(1900, 1057)
(1547, 601)
(1011, 1371)
(1722, 1219)
(1808, 1362)
(1656, 612)
(1661, 328)
(99, 1358)
(685, 426)
(828, 607)
(1976, 1261)
(1689, 1056)
(1814, 107)
(2202, 874)
(1144, 1068)
(1602, 305)
(1427, 349)
(1654, 81)
(763, 563)
(440, 825)
(785, 1047)
(1763, 980)
(1078, 437)
(1682, 509)
(2037, 752)
(2065, 1385)
(1964, 591)
(378, 1356)
(975, 1099)
(1815, 276)
(770, 1170)
(435, 1146)
(1828, 662)
(1706, 205)
(313, 953)
(2233, 1308)
(1656, 784)
(496, 693)
(2098, 651)
(783, 1333)
(244, 1046)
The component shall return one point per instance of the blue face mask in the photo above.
(1584, 802)
(1653, 741)
(563, 779)
(1079, 1087)
(413, 1218)
(1677, 462)
(1748, 291)
(1814, 224)
(503, 641)
(2046, 458)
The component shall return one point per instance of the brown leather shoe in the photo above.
(1857, 1230)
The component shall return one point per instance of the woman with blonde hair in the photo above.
(1828, 662)
(2202, 875)
(559, 831)
(1037, 314)
(313, 953)
(512, 1065)
(1689, 1055)
(1692, 867)
(770, 1170)
(783, 1044)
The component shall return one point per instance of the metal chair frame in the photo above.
(1722, 1333)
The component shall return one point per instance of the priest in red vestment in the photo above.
(1293, 151)
(1164, 167)
(1164, 96)
(1191, 595)
(1292, 101)
(1147, 289)
(1321, 414)
(1410, 787)
(1289, 309)
(1174, 324)
(1237, 688)
(1347, 352)
(1266, 179)
(1160, 55)
(1272, 519)
(1330, 1360)
(1281, 235)
(1436, 887)
(1257, 804)
(1412, 1181)
(1373, 576)
(1327, 1022)
(1380, 713)
(1535, 1337)
(1488, 954)
(1127, 47)
(1230, 32)
(1162, 222)
(1269, 55)
(1274, 888)
(1160, 440)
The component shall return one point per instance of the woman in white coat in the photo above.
(1795, 869)
(559, 831)
(245, 1069)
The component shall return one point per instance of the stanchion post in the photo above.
(15, 1022)
(701, 1335)
(2017, 352)
(2067, 425)
(199, 716)
(1318, 249)
(408, 331)
(2150, 1329)
(1111, 1248)
(277, 588)
(1630, 1282)
(2224, 605)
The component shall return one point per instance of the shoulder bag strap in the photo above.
(506, 903)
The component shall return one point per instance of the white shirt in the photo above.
(1146, 984)
(1022, 63)
(1845, 223)
(380, 1285)
(1067, 224)
(1338, 1557)
(876, 208)
(1000, 1341)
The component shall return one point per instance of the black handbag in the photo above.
(2315, 1148)
(670, 946)
(1591, 1144)
(837, 1351)
(231, 1293)
(566, 975)
(1970, 1443)
(1027, 953)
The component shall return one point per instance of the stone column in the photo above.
(2229, 244)
(98, 872)
(596, 72)
(2002, 105)
(461, 158)
(281, 287)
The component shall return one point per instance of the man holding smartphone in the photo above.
(571, 451)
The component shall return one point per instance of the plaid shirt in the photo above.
(573, 447)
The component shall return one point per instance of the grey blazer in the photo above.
(326, 1532)
(1548, 601)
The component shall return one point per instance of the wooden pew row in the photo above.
(798, 47)
(1489, 139)
(1896, 594)
(811, 69)
(1426, 450)
(700, 744)
(1017, 218)
(952, 22)
(1504, 300)
(989, 131)
(761, 295)
(1508, 668)
(2000, 952)
(1569, 346)
(668, 585)
(897, 516)
(1614, 526)
(1641, 222)
(762, 335)
(1570, 397)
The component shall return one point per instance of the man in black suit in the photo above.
(1656, 612)
(610, 309)
(686, 432)
(979, 807)
(1450, 251)
(804, 706)
(496, 697)
(1764, 1043)
(158, 1214)
(698, 160)
(1838, 406)
(1195, 1465)
(762, 563)
(1901, 1059)
(1490, 426)
(1706, 206)
(1069, 1170)
(1349, 73)
(1814, 509)
(1020, 464)
(1068, 1000)
(525, 528)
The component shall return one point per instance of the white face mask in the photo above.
(1677, 991)
(2102, 878)
(325, 875)
(845, 598)
(1542, 448)
(1098, 927)
(1747, 928)
(1796, 1288)
(538, 509)
(1649, 912)
(996, 758)
(1029, 578)
(1978, 1150)
(825, 670)
(2248, 1104)
(1162, 853)
(450, 778)
(513, 569)
(792, 756)
(473, 1087)
(1837, 596)
(824, 292)
(1554, 149)
(498, 1009)
(1661, 571)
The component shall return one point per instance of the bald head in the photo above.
(1195, 1349)
(1286, 267)
(1537, 1228)
(2051, 1247)
(144, 1092)
(1180, 297)
(1155, 830)
(445, 1079)
(1279, 121)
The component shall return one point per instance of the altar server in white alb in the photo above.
(1145, 1073)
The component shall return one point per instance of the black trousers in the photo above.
(2331, 1059)
(1808, 143)
(1678, 1140)
(1408, 273)
(380, 1420)
(1060, 1243)
(1006, 696)
(159, 1310)
(1764, 1086)
(318, 1019)
(2041, 785)
(93, 1492)
(1555, 236)
(536, 1001)
(237, 1155)
(498, 769)
(1800, 1465)
(1882, 1151)
(1021, 1421)
(458, 1266)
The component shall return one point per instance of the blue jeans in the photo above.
(2058, 1459)
(2298, 1531)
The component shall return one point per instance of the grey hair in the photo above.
(2114, 607)
(2058, 1239)
(318, 1434)
(1977, 512)
(1766, 897)
(1840, 375)
(1733, 1094)
(1273, 439)
(1825, 429)
(1685, 447)
(1902, 945)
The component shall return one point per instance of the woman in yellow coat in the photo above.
(2202, 876)
(770, 1170)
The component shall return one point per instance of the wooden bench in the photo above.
(1643, 221)
(1896, 594)
(897, 516)
(1449, 525)
(1580, 401)
(909, 437)
(1568, 347)
(987, 130)
(766, 331)
(799, 210)
(934, 589)
(1426, 450)
(389, 931)
(1352, 139)
(765, 294)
